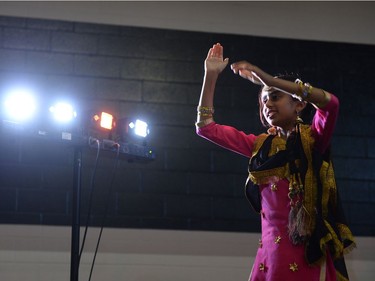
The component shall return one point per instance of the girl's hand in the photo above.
(252, 73)
(214, 62)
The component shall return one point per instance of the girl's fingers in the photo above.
(244, 73)
(209, 54)
(217, 50)
(257, 77)
(242, 65)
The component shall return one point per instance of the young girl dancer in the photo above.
(291, 182)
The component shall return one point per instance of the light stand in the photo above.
(75, 239)
(129, 151)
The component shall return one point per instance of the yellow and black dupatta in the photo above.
(316, 217)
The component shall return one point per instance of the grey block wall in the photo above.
(156, 74)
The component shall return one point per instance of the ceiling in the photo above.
(335, 21)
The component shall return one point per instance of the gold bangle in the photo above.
(205, 114)
(307, 91)
(299, 93)
(310, 89)
(304, 90)
(205, 109)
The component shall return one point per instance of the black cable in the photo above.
(90, 198)
(106, 208)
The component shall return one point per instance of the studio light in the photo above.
(23, 113)
(132, 130)
(100, 126)
(139, 128)
(63, 112)
(19, 106)
(104, 120)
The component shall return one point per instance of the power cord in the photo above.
(107, 205)
(92, 141)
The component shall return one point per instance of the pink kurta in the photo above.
(277, 258)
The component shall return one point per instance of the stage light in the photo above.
(132, 131)
(19, 105)
(100, 126)
(104, 120)
(63, 112)
(139, 128)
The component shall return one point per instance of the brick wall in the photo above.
(157, 74)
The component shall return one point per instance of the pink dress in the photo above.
(277, 259)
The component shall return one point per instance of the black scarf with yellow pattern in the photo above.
(316, 217)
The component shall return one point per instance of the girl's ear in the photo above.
(300, 106)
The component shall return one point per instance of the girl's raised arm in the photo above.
(318, 97)
(214, 64)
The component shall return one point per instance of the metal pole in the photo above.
(74, 261)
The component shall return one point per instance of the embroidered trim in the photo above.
(346, 235)
(269, 176)
(258, 143)
(310, 191)
(277, 145)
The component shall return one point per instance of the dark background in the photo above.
(156, 74)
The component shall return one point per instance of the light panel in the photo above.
(139, 128)
(20, 105)
(106, 121)
(63, 112)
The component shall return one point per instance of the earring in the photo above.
(299, 120)
(272, 131)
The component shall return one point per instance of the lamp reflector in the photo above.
(20, 106)
(140, 128)
(106, 121)
(63, 112)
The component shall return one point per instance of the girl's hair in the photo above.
(305, 114)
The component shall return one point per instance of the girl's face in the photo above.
(280, 109)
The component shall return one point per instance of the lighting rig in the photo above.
(24, 115)
(59, 121)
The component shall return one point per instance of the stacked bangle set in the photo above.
(206, 112)
(304, 90)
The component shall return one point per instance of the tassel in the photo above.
(292, 219)
(292, 230)
(302, 222)
(299, 218)
(298, 224)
